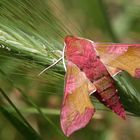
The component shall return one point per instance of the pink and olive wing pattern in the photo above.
(77, 109)
(121, 56)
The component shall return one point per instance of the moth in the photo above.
(90, 68)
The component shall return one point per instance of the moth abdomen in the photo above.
(108, 95)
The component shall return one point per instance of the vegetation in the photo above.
(31, 39)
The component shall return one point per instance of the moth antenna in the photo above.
(51, 65)
(63, 57)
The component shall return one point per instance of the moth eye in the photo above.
(98, 56)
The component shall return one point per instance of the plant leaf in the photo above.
(129, 91)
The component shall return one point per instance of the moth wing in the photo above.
(77, 109)
(121, 56)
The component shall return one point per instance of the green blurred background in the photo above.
(31, 38)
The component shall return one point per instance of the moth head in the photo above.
(75, 46)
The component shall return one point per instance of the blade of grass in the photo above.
(14, 107)
(21, 124)
(129, 89)
(24, 130)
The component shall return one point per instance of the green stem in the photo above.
(35, 111)
(15, 108)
